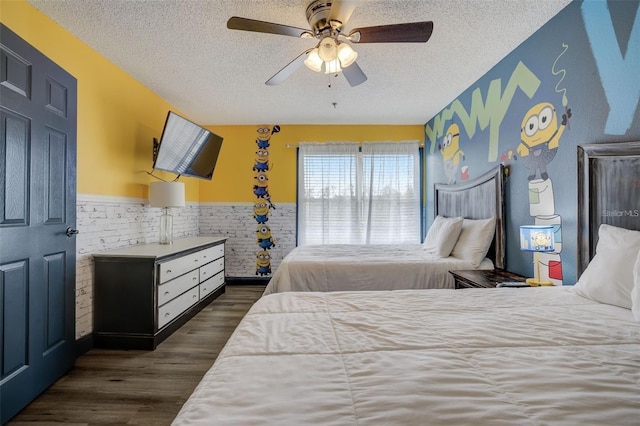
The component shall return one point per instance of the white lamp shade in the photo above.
(346, 55)
(313, 61)
(537, 238)
(166, 194)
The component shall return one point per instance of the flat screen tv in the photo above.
(187, 149)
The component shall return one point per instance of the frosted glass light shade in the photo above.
(166, 194)
(332, 67)
(328, 49)
(346, 55)
(313, 61)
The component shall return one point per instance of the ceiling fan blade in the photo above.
(341, 10)
(245, 24)
(412, 32)
(289, 69)
(354, 75)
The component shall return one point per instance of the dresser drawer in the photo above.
(176, 287)
(174, 268)
(177, 306)
(211, 285)
(212, 268)
(212, 253)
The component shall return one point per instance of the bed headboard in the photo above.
(479, 198)
(608, 192)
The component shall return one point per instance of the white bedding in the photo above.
(529, 356)
(346, 267)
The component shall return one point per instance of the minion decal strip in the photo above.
(263, 205)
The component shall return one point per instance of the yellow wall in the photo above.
(233, 176)
(118, 118)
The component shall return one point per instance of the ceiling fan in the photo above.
(333, 52)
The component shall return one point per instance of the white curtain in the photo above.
(348, 195)
(391, 192)
(329, 209)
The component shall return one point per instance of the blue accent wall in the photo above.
(575, 81)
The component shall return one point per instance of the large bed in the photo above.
(340, 267)
(526, 356)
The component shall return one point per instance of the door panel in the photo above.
(56, 166)
(14, 284)
(14, 169)
(55, 299)
(37, 204)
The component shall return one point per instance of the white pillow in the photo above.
(442, 236)
(609, 275)
(635, 293)
(474, 240)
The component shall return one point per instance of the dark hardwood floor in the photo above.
(142, 387)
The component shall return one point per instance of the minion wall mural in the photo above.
(452, 154)
(540, 132)
(573, 82)
(262, 206)
(540, 135)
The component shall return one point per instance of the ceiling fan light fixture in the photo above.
(313, 61)
(346, 55)
(328, 49)
(332, 67)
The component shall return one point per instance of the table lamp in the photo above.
(166, 195)
(537, 238)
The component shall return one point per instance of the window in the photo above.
(348, 195)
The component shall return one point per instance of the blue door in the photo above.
(37, 220)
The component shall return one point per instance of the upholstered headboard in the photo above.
(608, 192)
(479, 198)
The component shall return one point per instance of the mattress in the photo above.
(527, 356)
(347, 267)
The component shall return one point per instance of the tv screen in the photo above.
(187, 149)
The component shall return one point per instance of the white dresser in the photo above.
(144, 293)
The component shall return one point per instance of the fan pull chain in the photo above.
(329, 78)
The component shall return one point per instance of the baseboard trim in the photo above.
(84, 345)
(247, 280)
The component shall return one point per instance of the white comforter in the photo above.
(529, 356)
(346, 267)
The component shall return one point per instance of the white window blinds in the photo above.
(352, 196)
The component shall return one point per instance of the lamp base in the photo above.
(536, 283)
(166, 227)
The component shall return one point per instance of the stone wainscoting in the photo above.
(107, 223)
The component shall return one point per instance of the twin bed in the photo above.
(540, 355)
(400, 266)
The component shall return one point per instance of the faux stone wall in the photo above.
(107, 223)
(236, 222)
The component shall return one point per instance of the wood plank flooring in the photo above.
(142, 387)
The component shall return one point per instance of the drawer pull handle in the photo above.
(169, 271)
(166, 292)
(194, 279)
(167, 314)
(195, 297)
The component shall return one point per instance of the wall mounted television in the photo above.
(186, 148)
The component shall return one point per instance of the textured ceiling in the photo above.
(182, 50)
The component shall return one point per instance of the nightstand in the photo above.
(483, 278)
